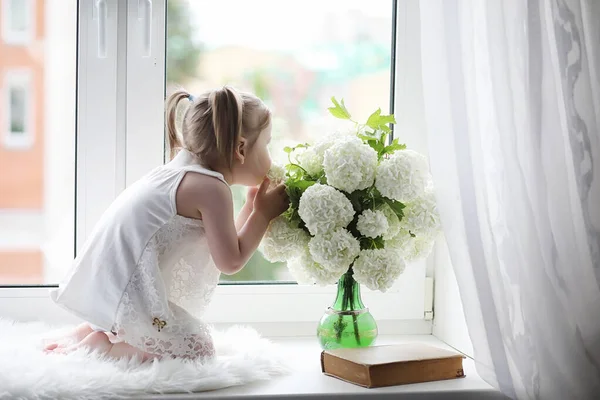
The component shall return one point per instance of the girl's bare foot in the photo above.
(100, 342)
(76, 335)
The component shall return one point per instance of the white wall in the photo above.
(449, 322)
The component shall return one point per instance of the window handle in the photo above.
(145, 17)
(100, 15)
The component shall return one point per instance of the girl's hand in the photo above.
(271, 203)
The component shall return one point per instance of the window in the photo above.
(294, 57)
(17, 21)
(108, 66)
(37, 144)
(18, 100)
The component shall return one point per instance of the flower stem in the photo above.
(296, 165)
(356, 332)
(348, 285)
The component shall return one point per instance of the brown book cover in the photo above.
(391, 365)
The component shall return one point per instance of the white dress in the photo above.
(146, 273)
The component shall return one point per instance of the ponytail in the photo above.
(171, 118)
(227, 113)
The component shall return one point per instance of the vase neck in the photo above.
(348, 294)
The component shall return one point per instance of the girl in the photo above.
(151, 264)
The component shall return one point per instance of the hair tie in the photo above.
(191, 98)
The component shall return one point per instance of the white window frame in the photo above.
(117, 46)
(21, 78)
(17, 38)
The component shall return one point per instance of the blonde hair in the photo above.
(214, 122)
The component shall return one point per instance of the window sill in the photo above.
(307, 381)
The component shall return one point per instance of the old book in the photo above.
(391, 365)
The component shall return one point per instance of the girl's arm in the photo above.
(229, 248)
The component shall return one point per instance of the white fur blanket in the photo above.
(27, 372)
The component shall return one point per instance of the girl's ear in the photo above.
(240, 150)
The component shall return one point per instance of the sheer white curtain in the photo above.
(512, 103)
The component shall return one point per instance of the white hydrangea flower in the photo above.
(401, 242)
(421, 248)
(282, 241)
(372, 223)
(421, 216)
(308, 272)
(310, 161)
(322, 145)
(350, 165)
(325, 209)
(378, 269)
(276, 175)
(403, 176)
(299, 271)
(335, 250)
(411, 248)
(392, 220)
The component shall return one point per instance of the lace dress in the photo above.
(146, 273)
(173, 284)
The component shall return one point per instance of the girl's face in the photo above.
(252, 164)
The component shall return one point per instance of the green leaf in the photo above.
(378, 201)
(387, 119)
(289, 150)
(294, 194)
(376, 145)
(365, 243)
(356, 198)
(294, 189)
(366, 138)
(397, 207)
(340, 110)
(374, 119)
(378, 242)
(393, 147)
(305, 184)
(370, 244)
(322, 179)
(380, 122)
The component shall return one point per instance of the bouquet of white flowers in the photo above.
(360, 207)
(358, 202)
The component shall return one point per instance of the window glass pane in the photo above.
(17, 96)
(18, 15)
(295, 56)
(37, 145)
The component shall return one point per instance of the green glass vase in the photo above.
(347, 323)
